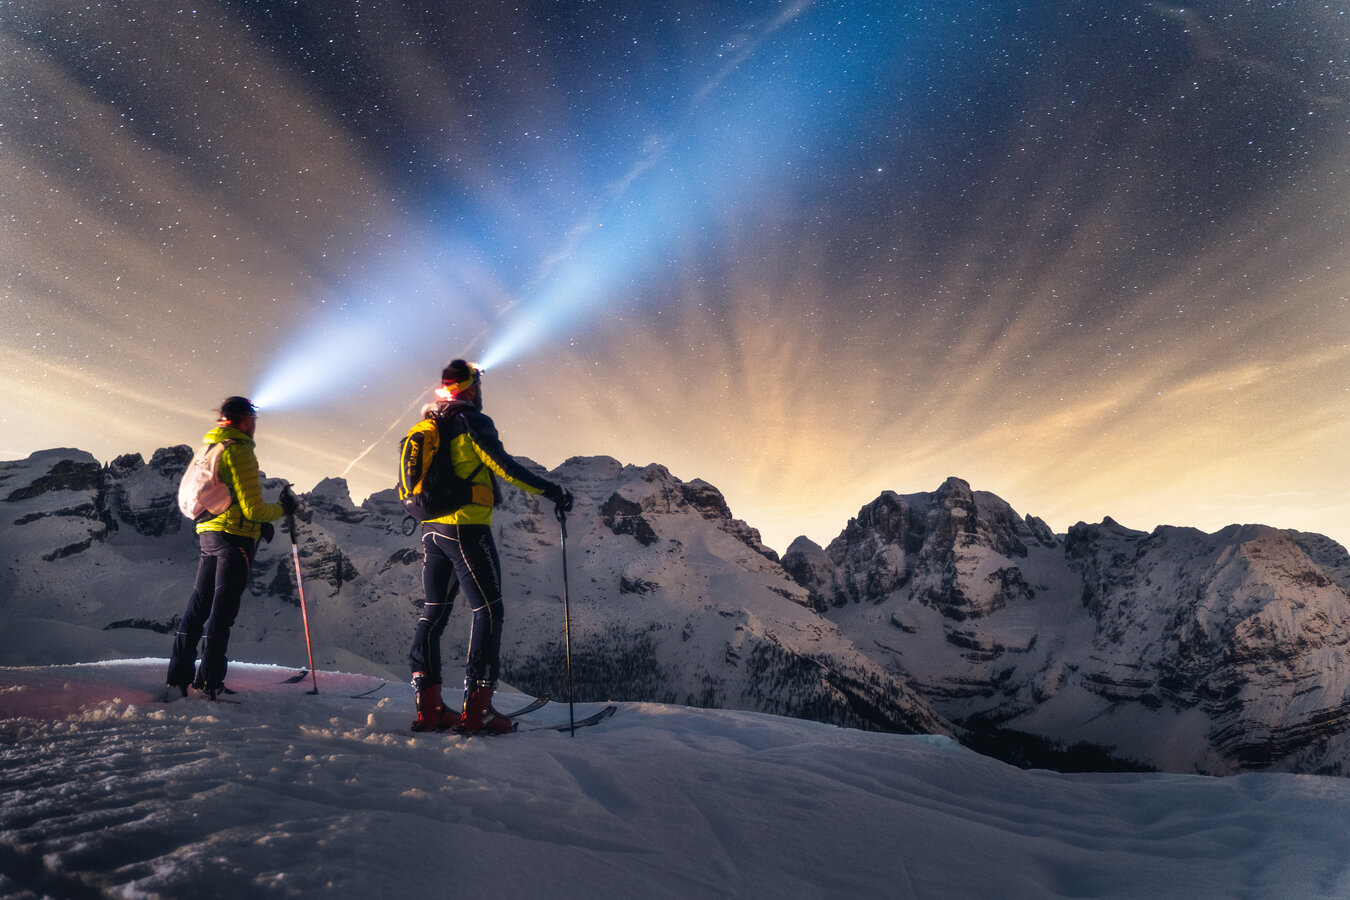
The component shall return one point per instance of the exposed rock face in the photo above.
(146, 496)
(78, 473)
(72, 485)
(934, 545)
(1176, 650)
(332, 499)
(664, 494)
(807, 564)
(625, 517)
(62, 499)
(1243, 625)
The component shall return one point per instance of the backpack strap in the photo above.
(429, 488)
(476, 490)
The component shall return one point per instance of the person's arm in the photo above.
(482, 435)
(243, 466)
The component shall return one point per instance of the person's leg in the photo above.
(439, 587)
(479, 572)
(234, 560)
(183, 657)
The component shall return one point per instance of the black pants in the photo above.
(459, 558)
(222, 575)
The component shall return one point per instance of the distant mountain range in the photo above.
(942, 612)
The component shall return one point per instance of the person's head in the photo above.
(240, 413)
(461, 380)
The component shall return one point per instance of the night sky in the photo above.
(1088, 256)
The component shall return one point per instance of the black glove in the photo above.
(287, 501)
(268, 532)
(560, 495)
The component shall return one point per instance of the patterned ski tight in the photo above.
(459, 558)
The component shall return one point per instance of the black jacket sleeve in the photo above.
(482, 433)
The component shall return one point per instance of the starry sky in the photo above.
(1088, 257)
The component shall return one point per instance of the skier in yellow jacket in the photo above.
(459, 553)
(228, 542)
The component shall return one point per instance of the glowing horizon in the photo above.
(1092, 263)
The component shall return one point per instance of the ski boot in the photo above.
(210, 691)
(432, 715)
(478, 715)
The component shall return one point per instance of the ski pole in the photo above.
(567, 626)
(300, 586)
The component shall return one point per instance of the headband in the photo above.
(450, 390)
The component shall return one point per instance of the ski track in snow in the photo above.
(107, 793)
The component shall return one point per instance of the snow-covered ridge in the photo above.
(1178, 650)
(105, 793)
(943, 612)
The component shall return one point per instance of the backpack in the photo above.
(201, 493)
(428, 485)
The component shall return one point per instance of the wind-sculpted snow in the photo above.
(105, 793)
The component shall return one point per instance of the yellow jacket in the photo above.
(477, 455)
(238, 468)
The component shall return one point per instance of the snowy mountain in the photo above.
(671, 599)
(1177, 650)
(942, 613)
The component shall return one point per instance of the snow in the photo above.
(289, 794)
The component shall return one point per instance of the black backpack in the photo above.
(428, 485)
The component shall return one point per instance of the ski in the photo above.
(512, 716)
(369, 692)
(527, 708)
(298, 677)
(594, 719)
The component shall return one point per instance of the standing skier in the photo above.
(446, 470)
(228, 542)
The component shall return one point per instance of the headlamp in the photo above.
(451, 391)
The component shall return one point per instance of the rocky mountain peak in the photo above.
(50, 470)
(333, 498)
(146, 496)
(928, 539)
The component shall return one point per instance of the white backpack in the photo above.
(201, 491)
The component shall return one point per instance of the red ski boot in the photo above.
(432, 715)
(478, 715)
